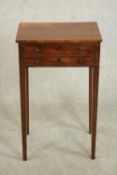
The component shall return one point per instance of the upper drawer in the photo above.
(82, 50)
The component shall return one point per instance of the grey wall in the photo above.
(62, 82)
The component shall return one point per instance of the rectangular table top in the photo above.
(83, 32)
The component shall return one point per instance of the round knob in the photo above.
(59, 47)
(37, 49)
(81, 61)
(59, 59)
(37, 60)
(82, 48)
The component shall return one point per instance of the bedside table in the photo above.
(59, 45)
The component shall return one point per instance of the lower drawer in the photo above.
(60, 61)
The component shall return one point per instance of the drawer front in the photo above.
(34, 51)
(60, 61)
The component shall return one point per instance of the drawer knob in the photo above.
(81, 61)
(37, 49)
(82, 48)
(59, 59)
(37, 60)
(59, 47)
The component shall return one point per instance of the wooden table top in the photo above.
(42, 33)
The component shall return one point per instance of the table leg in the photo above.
(27, 98)
(23, 110)
(90, 96)
(95, 71)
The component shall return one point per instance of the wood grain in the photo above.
(58, 33)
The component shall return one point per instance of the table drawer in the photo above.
(83, 50)
(60, 61)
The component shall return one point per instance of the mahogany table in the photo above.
(59, 45)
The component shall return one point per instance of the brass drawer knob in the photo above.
(81, 61)
(82, 48)
(59, 59)
(37, 60)
(59, 47)
(37, 49)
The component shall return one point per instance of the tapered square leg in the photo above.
(27, 98)
(90, 97)
(23, 111)
(95, 72)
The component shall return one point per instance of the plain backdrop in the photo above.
(54, 91)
